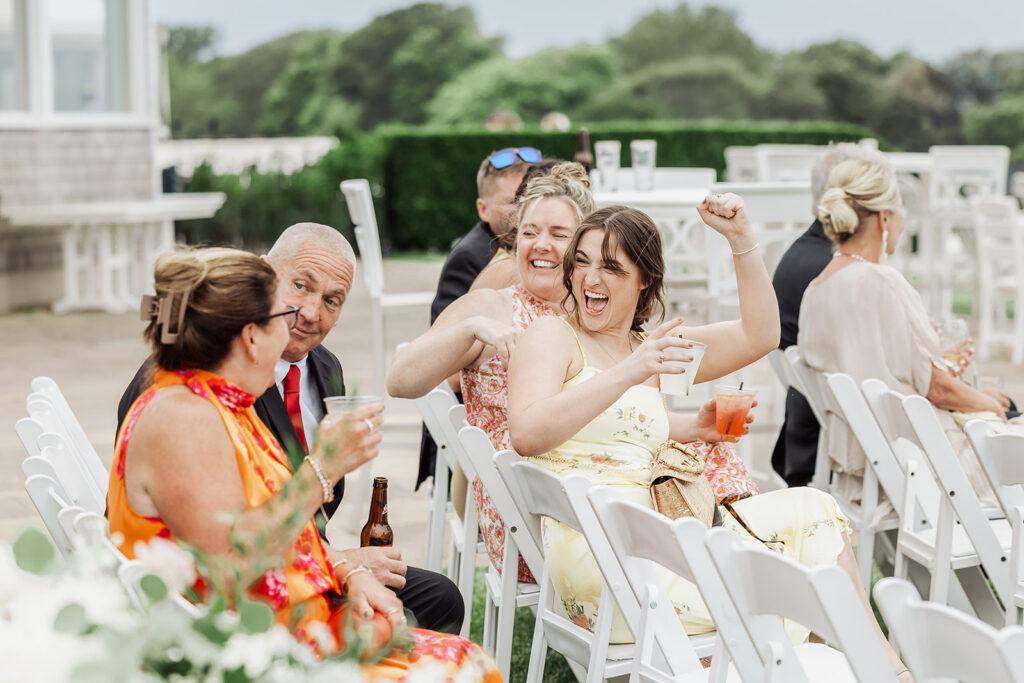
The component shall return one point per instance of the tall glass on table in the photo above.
(344, 406)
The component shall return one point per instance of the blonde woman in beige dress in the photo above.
(863, 318)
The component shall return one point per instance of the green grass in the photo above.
(556, 670)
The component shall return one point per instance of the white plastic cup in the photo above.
(607, 158)
(644, 152)
(343, 405)
(680, 385)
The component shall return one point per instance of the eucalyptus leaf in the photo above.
(153, 587)
(236, 676)
(256, 617)
(71, 619)
(33, 551)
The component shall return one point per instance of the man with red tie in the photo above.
(315, 268)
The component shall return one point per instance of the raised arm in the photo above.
(734, 344)
(475, 326)
(540, 415)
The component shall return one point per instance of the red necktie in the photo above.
(291, 403)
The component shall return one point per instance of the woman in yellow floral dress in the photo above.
(193, 462)
(584, 398)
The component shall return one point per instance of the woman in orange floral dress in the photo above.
(193, 462)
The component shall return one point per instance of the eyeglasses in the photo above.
(506, 157)
(293, 311)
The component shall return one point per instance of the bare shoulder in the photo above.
(549, 329)
(493, 303)
(497, 275)
(177, 423)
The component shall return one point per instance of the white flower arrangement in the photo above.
(75, 621)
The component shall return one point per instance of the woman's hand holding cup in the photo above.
(344, 441)
(650, 357)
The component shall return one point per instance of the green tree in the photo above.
(552, 80)
(984, 77)
(395, 65)
(693, 88)
(793, 95)
(191, 44)
(846, 73)
(672, 35)
(999, 123)
(914, 106)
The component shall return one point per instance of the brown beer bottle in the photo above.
(583, 154)
(377, 531)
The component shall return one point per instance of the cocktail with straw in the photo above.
(732, 405)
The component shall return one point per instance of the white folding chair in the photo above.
(538, 492)
(999, 251)
(49, 499)
(802, 379)
(931, 534)
(740, 164)
(71, 473)
(786, 162)
(640, 538)
(843, 400)
(504, 591)
(766, 585)
(72, 429)
(940, 643)
(666, 178)
(360, 210)
(433, 408)
(463, 546)
(1000, 457)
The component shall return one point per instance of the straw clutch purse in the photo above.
(678, 485)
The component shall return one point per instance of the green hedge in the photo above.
(424, 181)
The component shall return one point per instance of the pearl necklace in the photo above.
(855, 257)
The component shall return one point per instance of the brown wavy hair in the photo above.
(227, 289)
(638, 236)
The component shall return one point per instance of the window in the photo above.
(89, 66)
(12, 62)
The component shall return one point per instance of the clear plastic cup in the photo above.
(607, 155)
(343, 405)
(732, 405)
(643, 153)
(680, 385)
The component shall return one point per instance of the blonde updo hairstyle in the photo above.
(856, 190)
(567, 181)
(223, 289)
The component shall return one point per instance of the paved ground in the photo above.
(93, 356)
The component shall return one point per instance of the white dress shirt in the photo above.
(309, 398)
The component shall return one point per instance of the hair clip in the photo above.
(158, 309)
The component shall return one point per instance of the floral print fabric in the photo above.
(617, 448)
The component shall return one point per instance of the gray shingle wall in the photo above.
(63, 166)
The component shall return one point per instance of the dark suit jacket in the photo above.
(797, 447)
(467, 258)
(329, 381)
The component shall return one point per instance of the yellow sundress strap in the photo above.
(577, 338)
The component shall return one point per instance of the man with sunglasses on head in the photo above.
(497, 179)
(315, 268)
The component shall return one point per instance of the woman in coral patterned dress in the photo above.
(477, 333)
(193, 462)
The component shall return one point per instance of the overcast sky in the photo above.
(932, 29)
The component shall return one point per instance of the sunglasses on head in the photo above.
(506, 157)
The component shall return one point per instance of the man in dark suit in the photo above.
(315, 267)
(797, 447)
(497, 180)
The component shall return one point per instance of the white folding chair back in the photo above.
(765, 585)
(443, 416)
(740, 164)
(504, 591)
(991, 539)
(49, 499)
(538, 492)
(72, 473)
(641, 538)
(803, 380)
(999, 251)
(843, 400)
(74, 432)
(785, 162)
(941, 643)
(29, 430)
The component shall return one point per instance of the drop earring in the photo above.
(885, 246)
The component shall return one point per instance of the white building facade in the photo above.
(82, 215)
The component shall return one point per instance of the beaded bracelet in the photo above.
(324, 482)
(746, 251)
